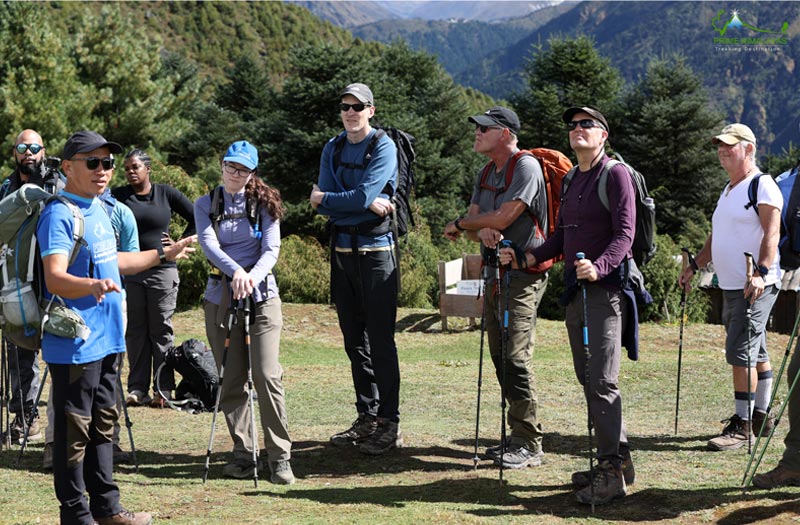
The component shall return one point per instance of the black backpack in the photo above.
(644, 239)
(195, 363)
(403, 218)
(789, 244)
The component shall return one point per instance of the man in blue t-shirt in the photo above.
(83, 368)
(353, 192)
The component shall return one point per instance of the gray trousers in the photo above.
(525, 291)
(23, 366)
(265, 337)
(152, 297)
(605, 313)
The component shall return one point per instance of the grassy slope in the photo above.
(432, 479)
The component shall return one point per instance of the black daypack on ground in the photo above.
(644, 239)
(195, 363)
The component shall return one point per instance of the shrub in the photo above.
(419, 260)
(303, 271)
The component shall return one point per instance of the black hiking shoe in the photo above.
(386, 437)
(493, 452)
(609, 484)
(361, 430)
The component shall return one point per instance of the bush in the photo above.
(303, 271)
(419, 263)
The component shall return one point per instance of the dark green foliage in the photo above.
(303, 271)
(664, 128)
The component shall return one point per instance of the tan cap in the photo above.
(733, 134)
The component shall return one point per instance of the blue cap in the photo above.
(244, 153)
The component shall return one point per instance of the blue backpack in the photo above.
(789, 244)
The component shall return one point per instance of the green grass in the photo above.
(432, 480)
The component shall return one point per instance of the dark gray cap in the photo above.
(593, 112)
(86, 141)
(360, 91)
(498, 116)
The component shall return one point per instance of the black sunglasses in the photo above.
(93, 162)
(358, 108)
(585, 123)
(22, 148)
(484, 129)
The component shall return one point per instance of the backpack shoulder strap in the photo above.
(509, 171)
(78, 228)
(602, 183)
(567, 180)
(752, 193)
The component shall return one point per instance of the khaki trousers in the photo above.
(265, 336)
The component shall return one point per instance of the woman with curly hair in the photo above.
(239, 230)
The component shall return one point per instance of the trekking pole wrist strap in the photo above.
(457, 224)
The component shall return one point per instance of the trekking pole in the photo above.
(4, 381)
(772, 432)
(33, 415)
(749, 314)
(231, 321)
(475, 458)
(686, 258)
(128, 422)
(587, 356)
(250, 388)
(503, 322)
(21, 396)
(772, 398)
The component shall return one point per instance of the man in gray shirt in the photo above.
(509, 203)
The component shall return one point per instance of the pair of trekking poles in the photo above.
(752, 450)
(26, 425)
(242, 305)
(503, 315)
(5, 393)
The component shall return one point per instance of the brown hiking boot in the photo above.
(609, 484)
(361, 429)
(581, 479)
(762, 418)
(386, 437)
(126, 518)
(780, 476)
(734, 435)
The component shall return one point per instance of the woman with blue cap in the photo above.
(238, 226)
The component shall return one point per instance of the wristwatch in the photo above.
(762, 270)
(161, 255)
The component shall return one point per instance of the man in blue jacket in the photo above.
(357, 174)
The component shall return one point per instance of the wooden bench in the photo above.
(452, 303)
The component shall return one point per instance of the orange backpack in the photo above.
(555, 165)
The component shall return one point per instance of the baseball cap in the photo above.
(86, 141)
(360, 91)
(244, 153)
(589, 110)
(498, 116)
(733, 134)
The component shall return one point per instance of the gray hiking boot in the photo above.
(734, 435)
(581, 479)
(609, 484)
(361, 430)
(386, 437)
(762, 418)
(281, 472)
(493, 452)
(240, 468)
(519, 456)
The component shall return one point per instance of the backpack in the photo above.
(644, 239)
(789, 244)
(217, 214)
(22, 308)
(195, 363)
(555, 166)
(402, 219)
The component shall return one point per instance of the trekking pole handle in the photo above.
(688, 258)
(749, 262)
(505, 243)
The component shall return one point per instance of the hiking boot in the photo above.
(780, 476)
(240, 468)
(126, 518)
(18, 430)
(520, 456)
(493, 452)
(734, 435)
(361, 429)
(386, 437)
(160, 401)
(47, 457)
(120, 456)
(281, 472)
(581, 479)
(609, 484)
(136, 398)
(762, 418)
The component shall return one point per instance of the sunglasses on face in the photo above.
(358, 108)
(230, 169)
(93, 162)
(22, 148)
(584, 123)
(484, 129)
